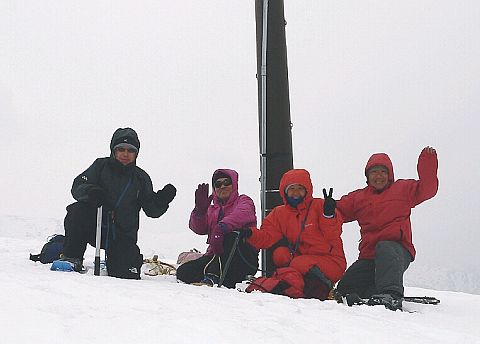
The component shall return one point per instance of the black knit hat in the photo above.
(127, 142)
(218, 175)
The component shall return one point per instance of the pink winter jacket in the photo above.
(238, 212)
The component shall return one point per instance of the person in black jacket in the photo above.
(122, 188)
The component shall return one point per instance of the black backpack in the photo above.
(51, 250)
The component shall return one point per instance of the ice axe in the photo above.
(98, 240)
(229, 259)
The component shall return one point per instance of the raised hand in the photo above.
(429, 150)
(166, 195)
(202, 200)
(329, 203)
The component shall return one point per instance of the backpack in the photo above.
(51, 250)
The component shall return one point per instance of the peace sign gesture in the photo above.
(329, 203)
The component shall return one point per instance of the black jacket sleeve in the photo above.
(86, 180)
(148, 198)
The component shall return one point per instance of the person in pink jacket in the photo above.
(230, 211)
(382, 209)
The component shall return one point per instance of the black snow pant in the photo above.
(244, 262)
(382, 275)
(80, 229)
(123, 255)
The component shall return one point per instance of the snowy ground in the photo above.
(39, 306)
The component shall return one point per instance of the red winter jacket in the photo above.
(385, 215)
(320, 242)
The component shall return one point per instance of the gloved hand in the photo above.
(329, 204)
(245, 233)
(96, 196)
(216, 242)
(166, 195)
(202, 201)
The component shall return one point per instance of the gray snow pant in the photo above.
(382, 275)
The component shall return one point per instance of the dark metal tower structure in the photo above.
(276, 155)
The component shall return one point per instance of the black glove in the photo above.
(329, 204)
(96, 196)
(245, 233)
(166, 195)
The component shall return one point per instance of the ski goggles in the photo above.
(222, 181)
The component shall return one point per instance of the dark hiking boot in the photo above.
(348, 299)
(76, 263)
(390, 301)
(317, 286)
(209, 280)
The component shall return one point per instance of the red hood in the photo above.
(381, 159)
(296, 176)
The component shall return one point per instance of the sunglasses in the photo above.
(122, 150)
(222, 181)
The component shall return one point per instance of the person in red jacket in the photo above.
(308, 257)
(382, 209)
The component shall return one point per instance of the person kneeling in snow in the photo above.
(305, 231)
(122, 188)
(219, 221)
(382, 209)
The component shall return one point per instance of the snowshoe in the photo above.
(349, 299)
(390, 301)
(426, 300)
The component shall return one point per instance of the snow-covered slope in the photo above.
(41, 306)
(441, 278)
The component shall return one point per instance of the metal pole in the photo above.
(263, 71)
(98, 241)
(263, 153)
(275, 138)
(229, 259)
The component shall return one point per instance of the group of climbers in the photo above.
(303, 234)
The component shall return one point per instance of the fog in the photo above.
(365, 77)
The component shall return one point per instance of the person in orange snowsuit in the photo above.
(309, 257)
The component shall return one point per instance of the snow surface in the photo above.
(40, 306)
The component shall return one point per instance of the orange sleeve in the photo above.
(268, 234)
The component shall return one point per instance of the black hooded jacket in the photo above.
(113, 177)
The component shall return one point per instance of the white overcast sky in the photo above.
(365, 77)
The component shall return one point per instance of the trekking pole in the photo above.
(229, 259)
(98, 238)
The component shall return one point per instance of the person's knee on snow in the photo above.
(281, 257)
